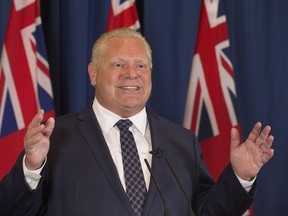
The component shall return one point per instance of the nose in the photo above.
(131, 72)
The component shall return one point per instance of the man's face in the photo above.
(122, 76)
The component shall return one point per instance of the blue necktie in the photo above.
(134, 177)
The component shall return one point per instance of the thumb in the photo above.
(235, 138)
(49, 126)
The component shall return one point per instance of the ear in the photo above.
(92, 73)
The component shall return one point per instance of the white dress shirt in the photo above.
(141, 132)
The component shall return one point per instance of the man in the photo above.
(77, 168)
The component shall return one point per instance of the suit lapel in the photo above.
(91, 131)
(158, 163)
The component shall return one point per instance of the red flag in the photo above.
(25, 84)
(209, 107)
(123, 14)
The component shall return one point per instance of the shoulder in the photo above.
(167, 125)
(69, 124)
(70, 118)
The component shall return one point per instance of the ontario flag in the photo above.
(211, 96)
(25, 84)
(123, 13)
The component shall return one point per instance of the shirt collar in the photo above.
(108, 119)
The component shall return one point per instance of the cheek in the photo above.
(147, 79)
(103, 80)
(108, 83)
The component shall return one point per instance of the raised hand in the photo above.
(36, 140)
(248, 157)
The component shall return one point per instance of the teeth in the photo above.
(131, 87)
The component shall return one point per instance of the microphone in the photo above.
(157, 152)
(191, 213)
(157, 187)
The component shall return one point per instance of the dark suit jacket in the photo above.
(81, 179)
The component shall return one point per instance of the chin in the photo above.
(134, 107)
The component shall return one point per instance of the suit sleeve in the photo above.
(16, 197)
(226, 197)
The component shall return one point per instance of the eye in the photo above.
(141, 66)
(117, 65)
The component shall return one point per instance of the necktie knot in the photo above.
(123, 124)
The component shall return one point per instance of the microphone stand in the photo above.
(191, 213)
(157, 187)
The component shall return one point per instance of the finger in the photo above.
(255, 132)
(33, 132)
(49, 126)
(263, 136)
(269, 141)
(35, 127)
(31, 141)
(267, 144)
(235, 138)
(270, 153)
(38, 118)
(267, 156)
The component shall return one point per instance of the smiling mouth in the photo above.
(130, 87)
